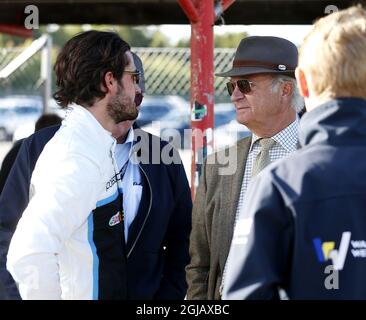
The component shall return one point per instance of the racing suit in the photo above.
(69, 243)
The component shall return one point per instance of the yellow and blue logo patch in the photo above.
(326, 250)
(323, 249)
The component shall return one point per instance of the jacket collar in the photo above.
(287, 138)
(79, 116)
(337, 122)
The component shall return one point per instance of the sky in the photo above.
(294, 33)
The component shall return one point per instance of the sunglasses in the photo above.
(138, 98)
(244, 85)
(135, 75)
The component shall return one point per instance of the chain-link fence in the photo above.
(167, 71)
(26, 79)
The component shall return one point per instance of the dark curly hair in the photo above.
(82, 64)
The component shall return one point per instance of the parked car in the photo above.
(227, 129)
(224, 113)
(153, 108)
(175, 127)
(25, 129)
(16, 110)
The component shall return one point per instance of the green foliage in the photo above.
(8, 41)
(229, 40)
(226, 40)
(159, 40)
(60, 36)
(163, 72)
(184, 43)
(135, 36)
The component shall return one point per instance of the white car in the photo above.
(25, 129)
(17, 110)
(154, 108)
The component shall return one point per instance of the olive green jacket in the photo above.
(213, 220)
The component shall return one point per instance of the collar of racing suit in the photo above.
(337, 122)
(102, 138)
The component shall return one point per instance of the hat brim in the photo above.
(244, 71)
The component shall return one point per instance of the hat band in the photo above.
(259, 64)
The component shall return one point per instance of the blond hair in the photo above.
(333, 55)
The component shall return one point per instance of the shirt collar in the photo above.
(130, 136)
(127, 145)
(286, 138)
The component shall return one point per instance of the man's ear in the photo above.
(287, 89)
(302, 82)
(109, 82)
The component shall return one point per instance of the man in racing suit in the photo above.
(167, 224)
(68, 243)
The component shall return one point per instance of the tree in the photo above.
(158, 39)
(59, 37)
(9, 41)
(226, 40)
(136, 37)
(229, 40)
(183, 43)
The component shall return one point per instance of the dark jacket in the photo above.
(3, 295)
(305, 227)
(8, 161)
(157, 245)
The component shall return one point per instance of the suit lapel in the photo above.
(139, 222)
(137, 225)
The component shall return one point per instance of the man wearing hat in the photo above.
(303, 226)
(263, 89)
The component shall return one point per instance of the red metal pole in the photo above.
(189, 9)
(226, 4)
(202, 88)
(201, 14)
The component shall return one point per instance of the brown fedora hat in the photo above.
(263, 55)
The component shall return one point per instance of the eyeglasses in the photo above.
(138, 98)
(135, 75)
(244, 85)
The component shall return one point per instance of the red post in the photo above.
(226, 4)
(189, 9)
(202, 15)
(15, 30)
(202, 88)
(202, 82)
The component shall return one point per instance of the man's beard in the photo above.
(121, 107)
